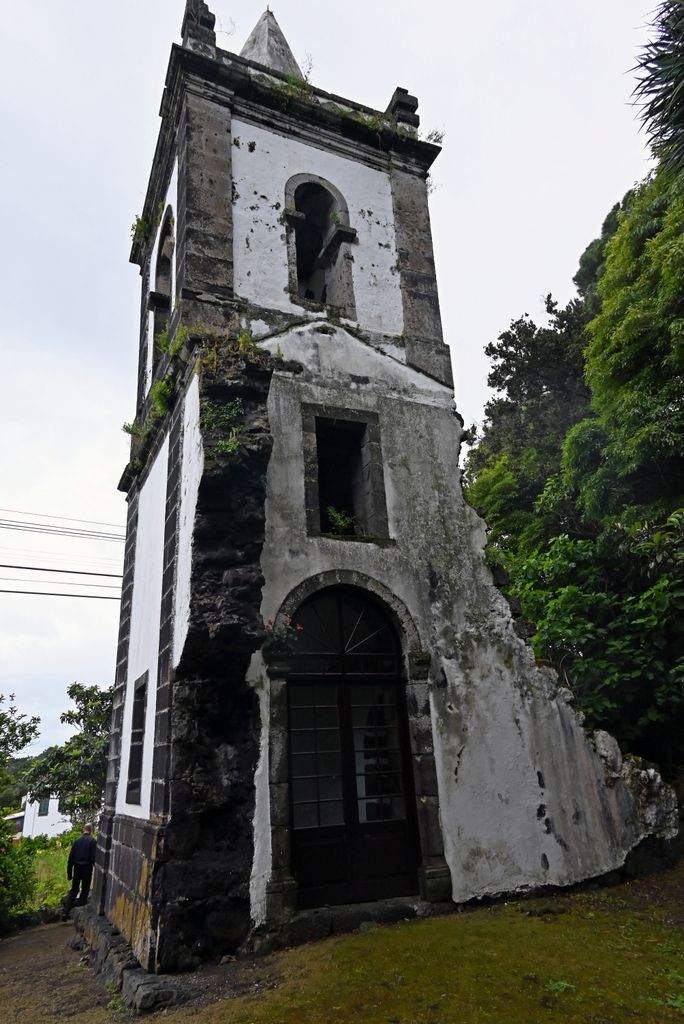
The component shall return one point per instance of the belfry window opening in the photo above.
(319, 217)
(160, 297)
(319, 244)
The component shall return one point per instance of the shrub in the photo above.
(17, 876)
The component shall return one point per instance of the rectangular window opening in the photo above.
(135, 757)
(343, 474)
(44, 806)
(342, 482)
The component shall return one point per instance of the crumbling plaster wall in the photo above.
(263, 161)
(526, 798)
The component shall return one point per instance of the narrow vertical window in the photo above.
(44, 806)
(160, 298)
(342, 497)
(135, 757)
(344, 478)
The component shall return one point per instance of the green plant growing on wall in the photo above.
(173, 345)
(161, 394)
(224, 419)
(296, 88)
(141, 230)
(375, 122)
(133, 430)
(246, 344)
(341, 522)
(162, 339)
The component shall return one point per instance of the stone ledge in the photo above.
(322, 922)
(113, 958)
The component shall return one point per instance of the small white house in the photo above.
(44, 818)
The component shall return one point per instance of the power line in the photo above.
(61, 583)
(66, 519)
(45, 593)
(33, 551)
(59, 531)
(71, 572)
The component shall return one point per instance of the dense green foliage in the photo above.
(580, 474)
(76, 770)
(17, 880)
(661, 73)
(16, 732)
(13, 788)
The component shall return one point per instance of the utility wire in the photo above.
(45, 593)
(58, 531)
(66, 519)
(71, 572)
(106, 566)
(62, 583)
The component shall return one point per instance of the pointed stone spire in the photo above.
(267, 45)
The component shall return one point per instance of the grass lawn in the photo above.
(51, 880)
(605, 957)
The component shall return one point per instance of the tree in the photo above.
(13, 787)
(76, 771)
(538, 374)
(659, 89)
(16, 732)
(586, 498)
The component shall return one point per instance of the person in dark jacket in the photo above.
(80, 870)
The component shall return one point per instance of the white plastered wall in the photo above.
(171, 199)
(527, 797)
(143, 644)
(261, 865)
(263, 162)
(51, 824)
(191, 473)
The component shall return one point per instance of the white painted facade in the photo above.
(143, 648)
(54, 823)
(263, 162)
(261, 864)
(191, 472)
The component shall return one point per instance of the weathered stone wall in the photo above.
(526, 798)
(202, 887)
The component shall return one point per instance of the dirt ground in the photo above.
(44, 979)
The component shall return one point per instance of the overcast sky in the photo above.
(540, 141)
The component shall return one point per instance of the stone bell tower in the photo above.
(320, 697)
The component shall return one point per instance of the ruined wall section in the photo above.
(527, 798)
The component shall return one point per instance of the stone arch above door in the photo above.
(416, 660)
(411, 683)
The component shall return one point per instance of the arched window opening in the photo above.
(351, 795)
(319, 249)
(319, 216)
(160, 296)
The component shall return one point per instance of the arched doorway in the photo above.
(352, 811)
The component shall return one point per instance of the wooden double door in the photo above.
(353, 829)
